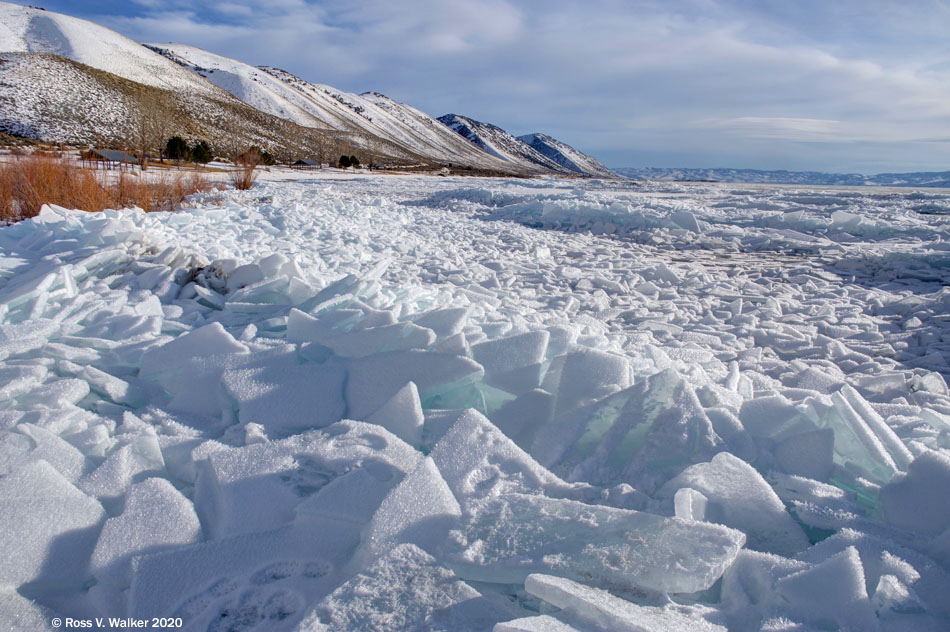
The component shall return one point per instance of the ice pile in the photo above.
(371, 405)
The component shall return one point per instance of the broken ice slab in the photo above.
(287, 398)
(584, 375)
(830, 593)
(258, 578)
(598, 609)
(35, 547)
(505, 539)
(257, 487)
(406, 590)
(402, 415)
(209, 340)
(373, 380)
(513, 363)
(737, 496)
(918, 499)
(661, 429)
(155, 516)
(476, 459)
(420, 511)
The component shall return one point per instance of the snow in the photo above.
(455, 403)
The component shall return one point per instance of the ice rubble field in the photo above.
(399, 403)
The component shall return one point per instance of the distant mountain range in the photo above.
(916, 179)
(63, 79)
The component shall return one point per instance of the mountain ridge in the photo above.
(69, 80)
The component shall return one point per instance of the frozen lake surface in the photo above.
(409, 403)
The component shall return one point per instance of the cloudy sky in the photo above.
(832, 85)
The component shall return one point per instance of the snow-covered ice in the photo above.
(473, 404)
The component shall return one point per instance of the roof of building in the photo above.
(113, 155)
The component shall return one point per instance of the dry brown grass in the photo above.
(244, 173)
(26, 183)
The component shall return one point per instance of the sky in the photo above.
(825, 85)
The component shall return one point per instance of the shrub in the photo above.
(27, 183)
(244, 174)
(201, 153)
(344, 162)
(354, 162)
(177, 149)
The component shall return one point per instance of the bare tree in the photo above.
(155, 120)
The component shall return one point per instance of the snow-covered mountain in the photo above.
(28, 30)
(916, 179)
(566, 156)
(69, 80)
(404, 130)
(500, 143)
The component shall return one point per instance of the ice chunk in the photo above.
(111, 479)
(522, 418)
(209, 340)
(287, 399)
(402, 415)
(477, 459)
(600, 610)
(591, 543)
(259, 579)
(373, 380)
(809, 454)
(880, 556)
(405, 590)
(541, 623)
(686, 220)
(257, 487)
(660, 430)
(420, 511)
(156, 516)
(918, 499)
(739, 497)
(245, 275)
(45, 445)
(584, 375)
(690, 504)
(893, 595)
(353, 497)
(513, 363)
(748, 586)
(444, 322)
(364, 342)
(831, 592)
(15, 380)
(48, 528)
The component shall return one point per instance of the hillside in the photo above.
(68, 80)
(500, 143)
(566, 156)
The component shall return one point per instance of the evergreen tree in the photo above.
(354, 162)
(201, 153)
(177, 149)
(344, 161)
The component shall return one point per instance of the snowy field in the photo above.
(409, 403)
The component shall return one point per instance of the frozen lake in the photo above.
(417, 403)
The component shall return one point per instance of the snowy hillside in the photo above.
(916, 179)
(360, 117)
(27, 30)
(498, 142)
(458, 404)
(566, 156)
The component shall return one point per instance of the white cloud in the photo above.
(609, 74)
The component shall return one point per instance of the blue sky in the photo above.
(832, 85)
